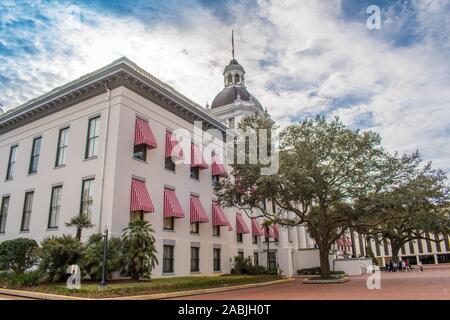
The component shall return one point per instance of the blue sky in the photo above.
(302, 57)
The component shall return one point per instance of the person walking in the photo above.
(408, 267)
(403, 266)
(420, 265)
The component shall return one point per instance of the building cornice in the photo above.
(121, 72)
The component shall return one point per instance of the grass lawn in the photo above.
(119, 288)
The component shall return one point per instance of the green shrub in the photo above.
(139, 250)
(92, 260)
(241, 265)
(19, 280)
(56, 254)
(309, 271)
(18, 255)
(254, 270)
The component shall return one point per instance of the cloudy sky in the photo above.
(302, 57)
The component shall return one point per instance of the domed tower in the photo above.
(234, 102)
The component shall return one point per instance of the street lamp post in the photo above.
(105, 252)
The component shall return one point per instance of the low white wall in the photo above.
(352, 267)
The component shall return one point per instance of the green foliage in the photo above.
(316, 271)
(80, 222)
(56, 254)
(323, 168)
(92, 259)
(18, 255)
(139, 248)
(412, 205)
(20, 279)
(241, 265)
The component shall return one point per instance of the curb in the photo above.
(156, 296)
(327, 281)
(38, 295)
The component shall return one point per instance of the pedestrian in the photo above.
(408, 268)
(403, 266)
(420, 265)
(391, 266)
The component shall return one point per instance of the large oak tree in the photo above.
(323, 168)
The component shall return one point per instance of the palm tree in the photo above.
(81, 221)
(266, 225)
(139, 245)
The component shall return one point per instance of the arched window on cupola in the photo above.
(229, 79)
(236, 78)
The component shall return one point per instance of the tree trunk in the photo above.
(324, 261)
(78, 236)
(395, 246)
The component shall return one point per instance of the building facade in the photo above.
(102, 144)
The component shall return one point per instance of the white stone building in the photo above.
(100, 145)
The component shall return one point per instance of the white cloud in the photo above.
(301, 58)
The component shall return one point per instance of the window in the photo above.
(55, 207)
(274, 209)
(216, 259)
(377, 248)
(231, 123)
(195, 173)
(87, 197)
(140, 152)
(239, 237)
(35, 152)
(11, 163)
(4, 213)
(419, 245)
(263, 205)
(241, 254)
(446, 242)
(411, 247)
(195, 259)
(195, 227)
(136, 215)
(255, 259)
(168, 223)
(169, 164)
(428, 242)
(216, 231)
(272, 260)
(26, 214)
(214, 180)
(168, 259)
(61, 152)
(92, 138)
(438, 243)
(255, 239)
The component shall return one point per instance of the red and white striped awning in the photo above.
(140, 199)
(198, 213)
(173, 146)
(276, 231)
(241, 227)
(172, 207)
(218, 169)
(348, 242)
(256, 228)
(143, 135)
(197, 159)
(268, 232)
(218, 216)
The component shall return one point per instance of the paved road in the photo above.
(433, 283)
(5, 297)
